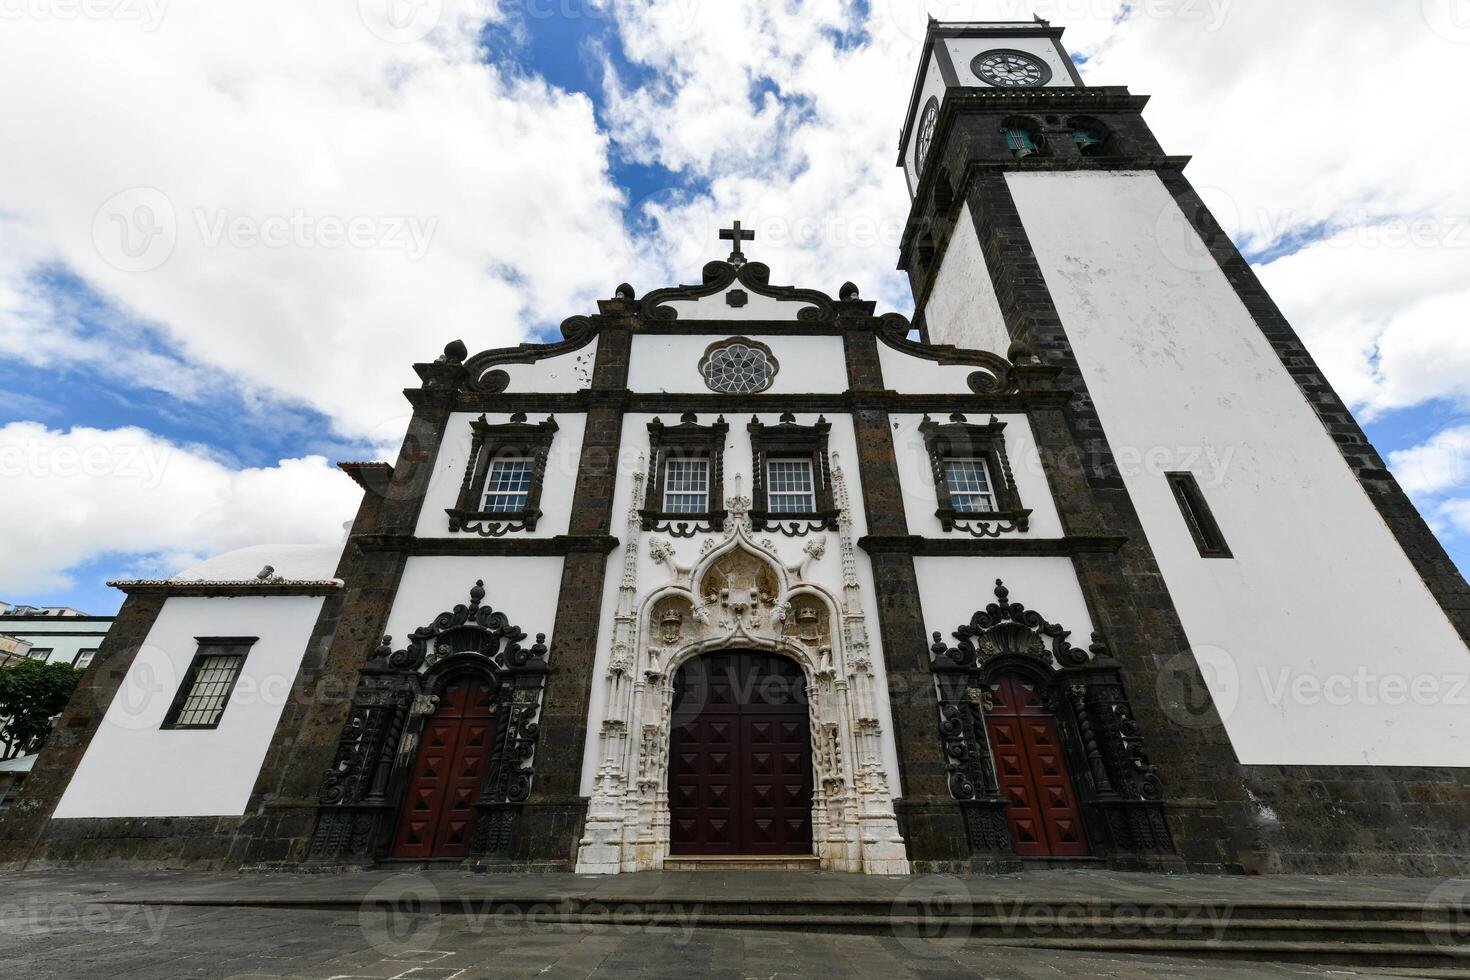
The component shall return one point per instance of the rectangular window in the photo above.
(1197, 516)
(686, 486)
(83, 659)
(970, 489)
(508, 486)
(208, 683)
(39, 653)
(789, 487)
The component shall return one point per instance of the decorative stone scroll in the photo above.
(397, 690)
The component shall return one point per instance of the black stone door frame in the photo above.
(1119, 794)
(362, 795)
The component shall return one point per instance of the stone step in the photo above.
(742, 862)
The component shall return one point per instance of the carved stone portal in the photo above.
(739, 595)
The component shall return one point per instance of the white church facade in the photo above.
(745, 574)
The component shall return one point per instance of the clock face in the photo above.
(926, 134)
(1010, 69)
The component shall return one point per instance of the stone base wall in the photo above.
(1354, 820)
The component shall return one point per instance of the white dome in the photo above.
(297, 562)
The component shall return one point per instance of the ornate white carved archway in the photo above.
(739, 594)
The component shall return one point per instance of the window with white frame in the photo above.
(83, 659)
(686, 486)
(789, 487)
(39, 653)
(507, 485)
(970, 489)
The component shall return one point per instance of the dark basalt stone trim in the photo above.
(755, 276)
(561, 544)
(703, 403)
(231, 588)
(1064, 547)
(1439, 573)
(373, 477)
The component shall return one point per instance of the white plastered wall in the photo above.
(716, 306)
(1319, 640)
(133, 768)
(525, 588)
(670, 362)
(454, 458)
(962, 308)
(952, 589)
(826, 572)
(962, 51)
(571, 371)
(921, 499)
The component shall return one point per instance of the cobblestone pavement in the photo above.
(66, 925)
(73, 941)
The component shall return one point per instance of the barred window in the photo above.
(789, 487)
(207, 685)
(969, 486)
(686, 486)
(508, 486)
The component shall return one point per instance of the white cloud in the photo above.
(73, 496)
(288, 122)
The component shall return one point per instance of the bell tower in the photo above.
(1048, 223)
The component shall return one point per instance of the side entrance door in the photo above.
(454, 749)
(740, 758)
(1032, 771)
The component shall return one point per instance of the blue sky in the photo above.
(580, 145)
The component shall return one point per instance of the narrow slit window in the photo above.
(1197, 516)
(970, 489)
(208, 684)
(789, 486)
(686, 486)
(508, 486)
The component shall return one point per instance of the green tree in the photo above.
(31, 694)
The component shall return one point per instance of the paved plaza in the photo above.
(398, 925)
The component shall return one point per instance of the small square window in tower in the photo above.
(686, 474)
(502, 482)
(792, 491)
(972, 477)
(209, 682)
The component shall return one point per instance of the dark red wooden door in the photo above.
(1032, 770)
(740, 759)
(438, 809)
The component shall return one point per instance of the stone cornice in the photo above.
(228, 587)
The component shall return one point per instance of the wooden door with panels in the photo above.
(1031, 768)
(454, 749)
(740, 758)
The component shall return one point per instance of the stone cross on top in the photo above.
(737, 235)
